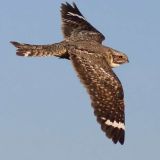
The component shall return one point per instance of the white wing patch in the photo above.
(115, 124)
(75, 15)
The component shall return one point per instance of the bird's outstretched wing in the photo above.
(73, 20)
(105, 91)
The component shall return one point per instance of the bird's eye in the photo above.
(120, 56)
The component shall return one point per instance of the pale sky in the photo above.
(45, 112)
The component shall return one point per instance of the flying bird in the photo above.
(93, 63)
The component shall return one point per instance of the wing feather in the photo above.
(74, 22)
(105, 91)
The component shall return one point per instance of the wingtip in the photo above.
(74, 5)
(66, 4)
(121, 140)
(115, 134)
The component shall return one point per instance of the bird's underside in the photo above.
(93, 63)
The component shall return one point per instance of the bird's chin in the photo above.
(113, 65)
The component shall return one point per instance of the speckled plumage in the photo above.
(93, 63)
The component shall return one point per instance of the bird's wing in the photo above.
(73, 20)
(105, 91)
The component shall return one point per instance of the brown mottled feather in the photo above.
(104, 88)
(27, 50)
(73, 21)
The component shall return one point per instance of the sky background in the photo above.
(45, 112)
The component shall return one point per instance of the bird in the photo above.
(93, 63)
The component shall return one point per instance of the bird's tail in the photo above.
(27, 50)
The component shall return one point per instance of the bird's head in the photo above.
(116, 58)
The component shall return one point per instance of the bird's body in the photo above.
(93, 63)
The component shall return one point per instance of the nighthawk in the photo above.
(93, 62)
